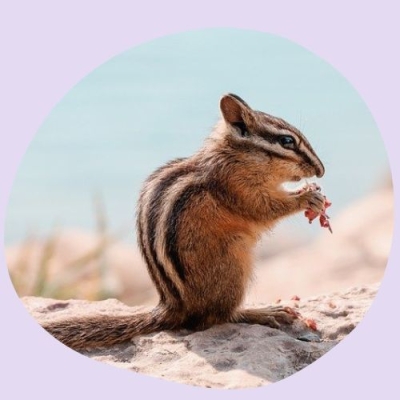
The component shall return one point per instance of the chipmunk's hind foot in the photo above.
(284, 318)
(273, 316)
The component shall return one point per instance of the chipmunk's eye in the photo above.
(287, 142)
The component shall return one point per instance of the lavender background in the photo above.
(48, 47)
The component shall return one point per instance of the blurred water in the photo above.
(160, 100)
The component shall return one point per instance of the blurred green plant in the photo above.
(90, 267)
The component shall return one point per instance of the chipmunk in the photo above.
(198, 220)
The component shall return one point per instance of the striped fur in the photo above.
(199, 218)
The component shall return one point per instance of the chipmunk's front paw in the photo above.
(312, 200)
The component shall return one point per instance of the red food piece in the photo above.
(311, 215)
(311, 324)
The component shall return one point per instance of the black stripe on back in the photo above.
(173, 222)
(153, 218)
(146, 257)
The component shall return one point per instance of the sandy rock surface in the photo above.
(225, 356)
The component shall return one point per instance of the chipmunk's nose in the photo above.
(319, 170)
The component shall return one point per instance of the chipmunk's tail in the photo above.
(106, 330)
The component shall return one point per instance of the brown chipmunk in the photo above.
(198, 220)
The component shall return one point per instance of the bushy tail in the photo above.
(106, 330)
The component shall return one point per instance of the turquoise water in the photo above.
(159, 101)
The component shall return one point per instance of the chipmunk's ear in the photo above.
(234, 109)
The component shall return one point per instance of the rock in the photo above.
(224, 356)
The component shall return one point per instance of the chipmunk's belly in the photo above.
(216, 252)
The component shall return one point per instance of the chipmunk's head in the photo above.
(268, 141)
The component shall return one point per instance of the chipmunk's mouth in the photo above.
(294, 185)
